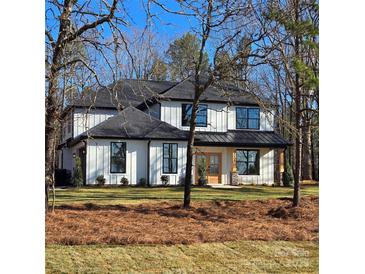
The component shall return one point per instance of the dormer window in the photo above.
(201, 116)
(247, 118)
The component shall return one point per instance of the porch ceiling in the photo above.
(234, 138)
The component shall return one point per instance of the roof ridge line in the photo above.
(169, 89)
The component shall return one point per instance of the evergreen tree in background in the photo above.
(183, 55)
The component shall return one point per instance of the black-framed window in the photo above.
(118, 157)
(247, 118)
(169, 158)
(248, 162)
(201, 115)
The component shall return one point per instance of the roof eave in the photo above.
(236, 144)
(131, 138)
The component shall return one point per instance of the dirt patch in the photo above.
(168, 223)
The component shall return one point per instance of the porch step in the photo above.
(222, 186)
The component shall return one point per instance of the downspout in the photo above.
(148, 163)
(85, 160)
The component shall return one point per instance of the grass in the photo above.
(228, 257)
(128, 195)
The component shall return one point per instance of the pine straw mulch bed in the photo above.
(168, 223)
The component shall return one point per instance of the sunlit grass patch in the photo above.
(228, 257)
(133, 195)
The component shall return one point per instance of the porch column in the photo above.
(234, 175)
(234, 161)
(281, 160)
(281, 164)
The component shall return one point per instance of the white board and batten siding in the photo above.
(266, 170)
(171, 112)
(85, 119)
(266, 119)
(156, 162)
(220, 117)
(98, 161)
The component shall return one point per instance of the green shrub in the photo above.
(288, 177)
(202, 172)
(124, 181)
(100, 180)
(165, 180)
(142, 182)
(77, 179)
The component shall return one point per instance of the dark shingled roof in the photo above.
(139, 93)
(126, 92)
(245, 138)
(132, 123)
(220, 93)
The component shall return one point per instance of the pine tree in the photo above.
(183, 54)
(77, 176)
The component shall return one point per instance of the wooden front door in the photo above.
(213, 167)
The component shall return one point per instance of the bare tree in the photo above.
(219, 25)
(138, 58)
(74, 41)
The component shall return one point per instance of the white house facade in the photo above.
(143, 135)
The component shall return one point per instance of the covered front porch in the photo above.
(238, 157)
(255, 165)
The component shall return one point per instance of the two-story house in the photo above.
(148, 138)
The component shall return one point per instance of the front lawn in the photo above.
(128, 195)
(104, 216)
(228, 257)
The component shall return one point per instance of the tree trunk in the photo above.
(189, 155)
(51, 140)
(307, 153)
(314, 156)
(298, 126)
(298, 144)
(298, 160)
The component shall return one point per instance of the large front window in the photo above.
(248, 162)
(117, 157)
(201, 115)
(169, 158)
(247, 118)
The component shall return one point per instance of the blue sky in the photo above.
(166, 26)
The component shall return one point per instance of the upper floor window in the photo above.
(118, 157)
(248, 162)
(247, 118)
(169, 158)
(201, 116)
